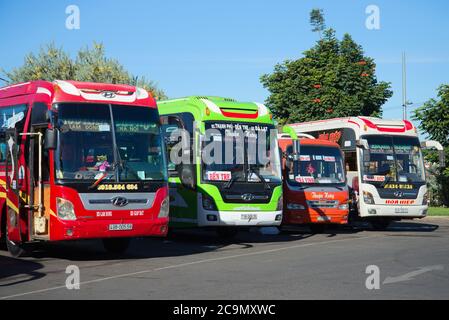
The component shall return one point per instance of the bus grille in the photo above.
(322, 203)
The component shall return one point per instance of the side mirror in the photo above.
(362, 143)
(50, 139)
(290, 132)
(187, 176)
(49, 116)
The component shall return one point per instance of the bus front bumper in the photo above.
(85, 229)
(240, 218)
(394, 211)
(322, 216)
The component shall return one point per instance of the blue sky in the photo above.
(222, 47)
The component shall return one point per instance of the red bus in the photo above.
(80, 160)
(315, 190)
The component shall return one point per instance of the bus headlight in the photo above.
(208, 203)
(368, 197)
(343, 206)
(295, 206)
(280, 205)
(165, 208)
(65, 209)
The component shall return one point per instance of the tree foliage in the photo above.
(90, 64)
(317, 21)
(434, 120)
(332, 79)
(434, 116)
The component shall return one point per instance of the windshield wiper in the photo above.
(228, 184)
(98, 181)
(387, 179)
(120, 163)
(262, 179)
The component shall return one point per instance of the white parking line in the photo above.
(188, 264)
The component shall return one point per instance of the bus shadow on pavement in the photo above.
(12, 271)
(329, 230)
(407, 226)
(181, 243)
(400, 226)
(188, 242)
(140, 248)
(243, 238)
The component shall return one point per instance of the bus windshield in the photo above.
(241, 152)
(316, 165)
(118, 143)
(392, 159)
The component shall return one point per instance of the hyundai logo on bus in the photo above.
(108, 94)
(398, 194)
(119, 201)
(247, 197)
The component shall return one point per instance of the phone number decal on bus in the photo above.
(117, 187)
(399, 186)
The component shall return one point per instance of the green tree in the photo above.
(434, 120)
(332, 79)
(317, 21)
(90, 64)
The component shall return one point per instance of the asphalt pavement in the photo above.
(410, 260)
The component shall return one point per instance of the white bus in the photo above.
(384, 165)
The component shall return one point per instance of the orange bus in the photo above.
(314, 187)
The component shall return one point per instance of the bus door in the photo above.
(38, 203)
(183, 198)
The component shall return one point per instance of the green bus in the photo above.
(224, 164)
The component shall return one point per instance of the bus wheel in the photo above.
(380, 224)
(227, 232)
(116, 245)
(170, 233)
(14, 249)
(317, 228)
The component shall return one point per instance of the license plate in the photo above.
(120, 227)
(324, 218)
(249, 216)
(401, 210)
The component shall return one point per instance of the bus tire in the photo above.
(170, 233)
(380, 224)
(227, 232)
(317, 228)
(116, 245)
(15, 250)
